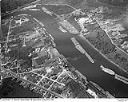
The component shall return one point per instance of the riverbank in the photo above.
(81, 37)
(92, 71)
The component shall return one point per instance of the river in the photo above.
(78, 60)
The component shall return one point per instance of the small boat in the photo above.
(109, 71)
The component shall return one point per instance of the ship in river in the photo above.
(109, 71)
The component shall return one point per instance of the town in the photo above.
(65, 50)
(30, 56)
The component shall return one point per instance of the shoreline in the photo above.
(82, 37)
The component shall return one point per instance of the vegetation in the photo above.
(53, 1)
(59, 9)
(100, 40)
(75, 3)
(78, 90)
(9, 5)
(119, 59)
(115, 2)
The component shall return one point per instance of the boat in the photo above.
(121, 78)
(109, 71)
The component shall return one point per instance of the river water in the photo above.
(78, 60)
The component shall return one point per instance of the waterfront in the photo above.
(80, 62)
